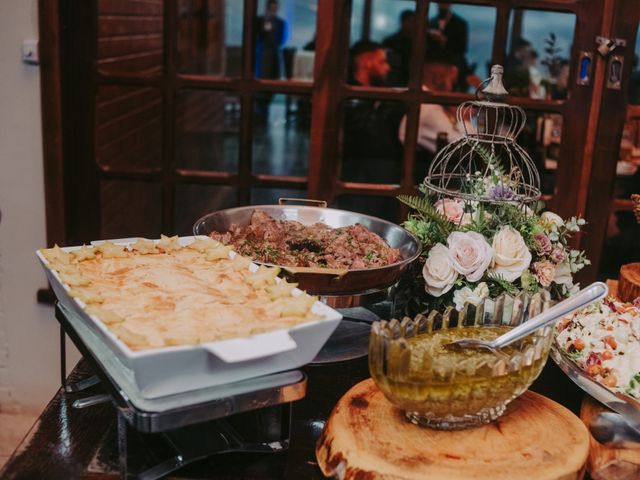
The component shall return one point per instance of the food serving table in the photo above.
(67, 442)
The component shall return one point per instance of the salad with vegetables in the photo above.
(604, 340)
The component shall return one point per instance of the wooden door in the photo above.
(613, 236)
(158, 114)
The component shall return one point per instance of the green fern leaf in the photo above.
(500, 284)
(428, 211)
(489, 158)
(420, 204)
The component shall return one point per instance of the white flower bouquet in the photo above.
(474, 250)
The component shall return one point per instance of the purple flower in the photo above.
(558, 254)
(500, 192)
(542, 244)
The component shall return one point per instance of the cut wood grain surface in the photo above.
(367, 437)
(629, 282)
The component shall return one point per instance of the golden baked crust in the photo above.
(156, 294)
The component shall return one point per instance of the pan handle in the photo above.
(251, 348)
(308, 201)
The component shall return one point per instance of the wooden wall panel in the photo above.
(122, 25)
(130, 7)
(116, 101)
(128, 130)
(130, 208)
(114, 47)
(105, 133)
(130, 36)
(145, 62)
(138, 147)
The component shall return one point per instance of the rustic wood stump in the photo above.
(629, 282)
(608, 462)
(367, 437)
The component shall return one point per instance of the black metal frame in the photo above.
(266, 429)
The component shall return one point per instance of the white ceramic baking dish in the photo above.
(164, 371)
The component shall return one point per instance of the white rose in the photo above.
(511, 255)
(453, 210)
(563, 275)
(466, 295)
(470, 253)
(552, 218)
(438, 272)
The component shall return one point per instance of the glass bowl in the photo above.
(448, 389)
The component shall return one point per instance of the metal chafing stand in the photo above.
(249, 416)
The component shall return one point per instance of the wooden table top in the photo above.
(70, 443)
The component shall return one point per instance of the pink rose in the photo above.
(545, 272)
(558, 254)
(542, 244)
(636, 302)
(470, 253)
(453, 210)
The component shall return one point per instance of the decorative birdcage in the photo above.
(486, 164)
(481, 226)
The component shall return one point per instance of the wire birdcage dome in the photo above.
(486, 164)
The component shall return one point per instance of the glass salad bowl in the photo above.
(453, 389)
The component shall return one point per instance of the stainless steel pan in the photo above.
(326, 281)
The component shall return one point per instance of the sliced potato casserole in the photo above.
(161, 293)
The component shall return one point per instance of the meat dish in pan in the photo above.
(290, 243)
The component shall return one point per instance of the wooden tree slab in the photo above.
(629, 282)
(607, 462)
(366, 437)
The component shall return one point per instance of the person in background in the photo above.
(435, 120)
(536, 85)
(437, 123)
(517, 77)
(271, 34)
(371, 149)
(368, 65)
(399, 49)
(447, 39)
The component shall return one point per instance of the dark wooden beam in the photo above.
(246, 98)
(169, 87)
(51, 101)
(329, 71)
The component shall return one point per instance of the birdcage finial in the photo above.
(495, 91)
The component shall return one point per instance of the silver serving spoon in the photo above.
(584, 297)
(613, 429)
